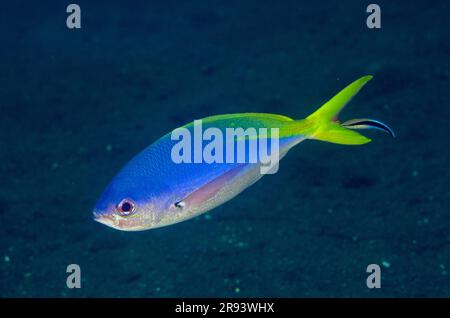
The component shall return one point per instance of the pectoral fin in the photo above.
(210, 189)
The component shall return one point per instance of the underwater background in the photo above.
(77, 104)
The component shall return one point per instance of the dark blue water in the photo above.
(76, 105)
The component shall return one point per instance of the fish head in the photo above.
(132, 204)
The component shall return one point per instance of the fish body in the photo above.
(152, 190)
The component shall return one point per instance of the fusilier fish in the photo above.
(152, 190)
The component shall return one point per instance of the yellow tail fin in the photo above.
(323, 124)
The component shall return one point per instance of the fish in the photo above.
(152, 191)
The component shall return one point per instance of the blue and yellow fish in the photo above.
(153, 191)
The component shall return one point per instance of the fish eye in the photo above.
(126, 207)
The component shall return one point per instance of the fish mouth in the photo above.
(115, 222)
(106, 219)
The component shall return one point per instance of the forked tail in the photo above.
(323, 124)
